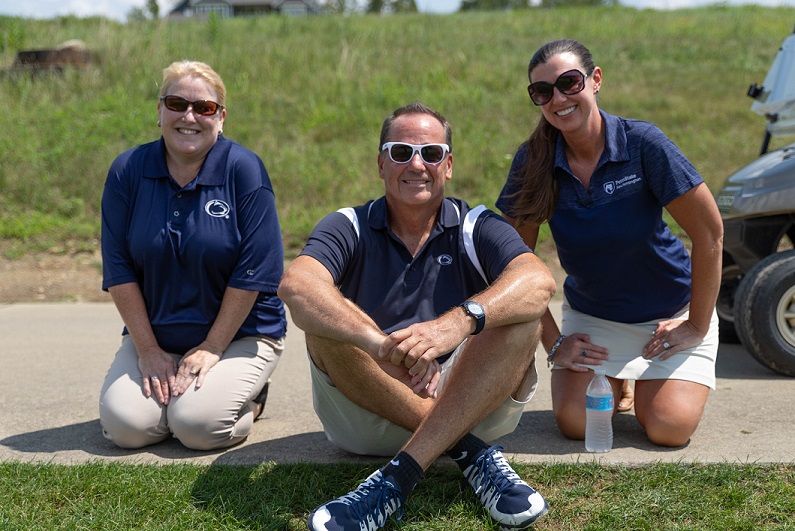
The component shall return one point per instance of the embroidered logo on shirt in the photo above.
(612, 186)
(217, 208)
(444, 259)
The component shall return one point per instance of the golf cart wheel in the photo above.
(765, 312)
(729, 281)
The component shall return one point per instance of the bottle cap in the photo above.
(600, 371)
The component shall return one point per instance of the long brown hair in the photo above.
(535, 200)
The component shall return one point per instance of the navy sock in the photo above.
(406, 472)
(466, 450)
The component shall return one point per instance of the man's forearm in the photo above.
(318, 308)
(520, 294)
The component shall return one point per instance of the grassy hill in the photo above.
(309, 94)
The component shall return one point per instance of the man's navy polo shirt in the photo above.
(623, 262)
(184, 246)
(376, 271)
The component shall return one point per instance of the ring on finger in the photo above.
(154, 377)
(583, 354)
(666, 345)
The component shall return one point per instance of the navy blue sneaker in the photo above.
(511, 502)
(365, 509)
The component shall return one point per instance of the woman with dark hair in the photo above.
(635, 303)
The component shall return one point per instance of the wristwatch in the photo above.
(473, 309)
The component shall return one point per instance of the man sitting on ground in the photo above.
(422, 320)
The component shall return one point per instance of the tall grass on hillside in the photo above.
(309, 94)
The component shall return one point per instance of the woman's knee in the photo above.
(568, 402)
(669, 411)
(570, 418)
(199, 431)
(667, 429)
(129, 428)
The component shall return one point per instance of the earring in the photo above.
(158, 123)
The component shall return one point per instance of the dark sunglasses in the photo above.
(202, 107)
(568, 83)
(401, 152)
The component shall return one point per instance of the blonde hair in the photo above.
(182, 69)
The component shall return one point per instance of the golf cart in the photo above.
(756, 304)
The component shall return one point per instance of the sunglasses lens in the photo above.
(432, 154)
(570, 82)
(205, 107)
(176, 104)
(202, 107)
(540, 92)
(401, 152)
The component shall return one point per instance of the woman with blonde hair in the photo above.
(192, 257)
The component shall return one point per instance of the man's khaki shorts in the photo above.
(360, 431)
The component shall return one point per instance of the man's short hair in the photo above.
(416, 108)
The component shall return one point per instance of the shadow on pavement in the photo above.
(303, 447)
(87, 437)
(537, 434)
(734, 362)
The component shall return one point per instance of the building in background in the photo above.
(242, 8)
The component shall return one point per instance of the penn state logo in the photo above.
(217, 208)
(444, 259)
(610, 187)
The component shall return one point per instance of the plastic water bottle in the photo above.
(599, 413)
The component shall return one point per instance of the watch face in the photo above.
(475, 308)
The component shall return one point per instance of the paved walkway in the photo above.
(53, 358)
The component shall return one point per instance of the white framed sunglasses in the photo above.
(402, 152)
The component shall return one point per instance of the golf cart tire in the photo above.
(765, 295)
(730, 280)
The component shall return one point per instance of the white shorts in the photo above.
(360, 431)
(625, 343)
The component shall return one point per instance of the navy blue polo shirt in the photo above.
(623, 262)
(184, 246)
(373, 268)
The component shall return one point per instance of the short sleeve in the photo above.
(333, 244)
(497, 244)
(261, 256)
(117, 264)
(513, 183)
(668, 172)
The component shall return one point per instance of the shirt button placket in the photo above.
(176, 209)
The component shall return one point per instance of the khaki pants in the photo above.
(218, 415)
(359, 431)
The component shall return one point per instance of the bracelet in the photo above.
(554, 349)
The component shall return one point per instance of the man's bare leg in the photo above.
(491, 367)
(379, 387)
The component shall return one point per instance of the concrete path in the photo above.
(53, 358)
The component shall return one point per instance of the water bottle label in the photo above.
(599, 403)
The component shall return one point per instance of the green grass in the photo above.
(309, 94)
(278, 497)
